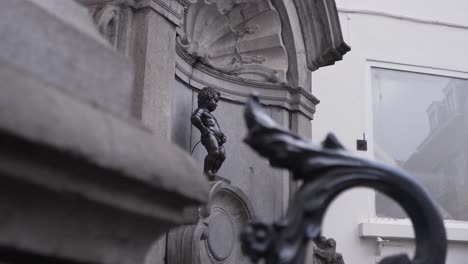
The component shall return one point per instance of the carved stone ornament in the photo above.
(236, 37)
(327, 170)
(320, 25)
(106, 18)
(113, 19)
(214, 239)
(324, 252)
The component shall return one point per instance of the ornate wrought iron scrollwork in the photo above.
(327, 170)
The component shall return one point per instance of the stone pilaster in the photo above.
(154, 55)
(144, 30)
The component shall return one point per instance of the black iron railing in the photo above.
(326, 171)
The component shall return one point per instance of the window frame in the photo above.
(374, 226)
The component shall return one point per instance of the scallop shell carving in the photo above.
(236, 37)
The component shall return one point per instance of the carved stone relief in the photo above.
(114, 21)
(106, 19)
(236, 37)
(324, 251)
(215, 238)
(323, 39)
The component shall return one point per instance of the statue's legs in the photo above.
(211, 144)
(221, 156)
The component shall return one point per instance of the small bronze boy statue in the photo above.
(211, 136)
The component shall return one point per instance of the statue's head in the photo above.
(208, 98)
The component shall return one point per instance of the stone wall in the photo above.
(236, 47)
(93, 99)
(81, 179)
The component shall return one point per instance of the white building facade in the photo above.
(414, 41)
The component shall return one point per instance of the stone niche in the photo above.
(240, 38)
(237, 47)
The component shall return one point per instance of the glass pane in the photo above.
(421, 124)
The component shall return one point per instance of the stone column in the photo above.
(154, 54)
(144, 30)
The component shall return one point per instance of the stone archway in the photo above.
(273, 41)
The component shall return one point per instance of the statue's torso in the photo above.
(211, 123)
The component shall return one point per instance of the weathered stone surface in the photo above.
(172, 10)
(33, 110)
(68, 226)
(221, 237)
(74, 172)
(321, 30)
(239, 38)
(57, 41)
(157, 251)
(181, 112)
(114, 22)
(155, 60)
(234, 89)
(280, 45)
(301, 125)
(214, 239)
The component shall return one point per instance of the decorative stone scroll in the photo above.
(113, 19)
(215, 238)
(324, 252)
(327, 171)
(236, 37)
(107, 19)
(321, 31)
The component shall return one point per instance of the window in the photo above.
(420, 123)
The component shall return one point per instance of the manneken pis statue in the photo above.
(211, 136)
